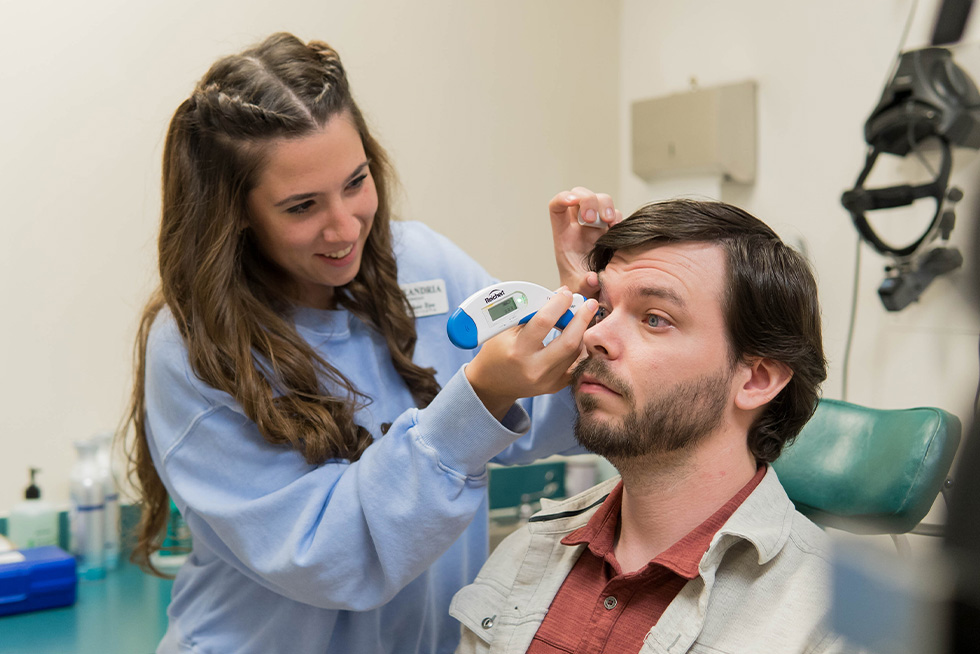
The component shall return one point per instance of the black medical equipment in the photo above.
(929, 98)
(951, 21)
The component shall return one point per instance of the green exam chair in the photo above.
(870, 471)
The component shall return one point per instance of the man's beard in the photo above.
(677, 419)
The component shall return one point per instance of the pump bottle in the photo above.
(88, 512)
(104, 459)
(33, 522)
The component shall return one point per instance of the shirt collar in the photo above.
(684, 556)
(321, 324)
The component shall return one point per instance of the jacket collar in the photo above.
(570, 514)
(764, 519)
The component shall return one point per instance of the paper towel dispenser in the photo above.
(704, 131)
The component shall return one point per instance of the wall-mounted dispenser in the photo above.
(704, 131)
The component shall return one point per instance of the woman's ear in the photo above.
(764, 378)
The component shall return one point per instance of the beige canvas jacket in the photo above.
(763, 584)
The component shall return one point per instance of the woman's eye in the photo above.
(357, 182)
(303, 207)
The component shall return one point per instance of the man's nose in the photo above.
(603, 338)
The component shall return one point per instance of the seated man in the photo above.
(705, 358)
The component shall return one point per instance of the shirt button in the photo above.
(610, 603)
(487, 622)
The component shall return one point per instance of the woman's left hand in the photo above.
(573, 241)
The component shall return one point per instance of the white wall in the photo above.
(820, 69)
(488, 109)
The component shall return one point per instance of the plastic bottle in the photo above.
(88, 512)
(33, 522)
(104, 459)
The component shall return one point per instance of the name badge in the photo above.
(427, 298)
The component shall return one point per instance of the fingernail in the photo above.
(610, 213)
(566, 292)
(590, 216)
(591, 305)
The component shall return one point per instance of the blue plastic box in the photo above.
(36, 578)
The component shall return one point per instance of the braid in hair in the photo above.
(232, 114)
(334, 77)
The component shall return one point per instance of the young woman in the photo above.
(322, 439)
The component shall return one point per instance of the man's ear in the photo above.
(762, 380)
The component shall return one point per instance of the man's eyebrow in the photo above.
(299, 197)
(650, 291)
(658, 292)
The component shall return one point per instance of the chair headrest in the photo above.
(869, 471)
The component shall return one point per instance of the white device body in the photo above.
(495, 308)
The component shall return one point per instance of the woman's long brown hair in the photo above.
(226, 298)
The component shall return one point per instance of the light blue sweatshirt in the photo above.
(351, 558)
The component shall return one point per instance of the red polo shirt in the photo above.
(600, 610)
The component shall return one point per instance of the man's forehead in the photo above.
(635, 286)
(668, 270)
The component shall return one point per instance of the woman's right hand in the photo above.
(572, 240)
(515, 363)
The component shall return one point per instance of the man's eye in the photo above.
(600, 314)
(303, 207)
(653, 320)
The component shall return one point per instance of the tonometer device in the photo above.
(495, 308)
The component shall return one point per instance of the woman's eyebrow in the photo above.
(297, 197)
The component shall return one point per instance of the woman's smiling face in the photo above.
(312, 210)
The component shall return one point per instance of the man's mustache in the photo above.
(599, 370)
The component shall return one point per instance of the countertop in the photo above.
(125, 613)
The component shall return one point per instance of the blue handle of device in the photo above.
(561, 324)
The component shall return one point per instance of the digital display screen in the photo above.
(501, 309)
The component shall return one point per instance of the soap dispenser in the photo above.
(33, 522)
